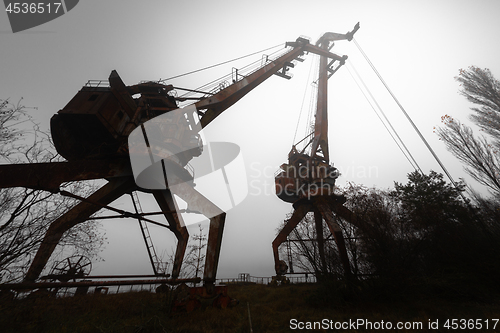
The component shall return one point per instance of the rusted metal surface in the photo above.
(324, 208)
(216, 230)
(33, 285)
(90, 277)
(320, 139)
(49, 176)
(327, 212)
(318, 221)
(219, 102)
(119, 90)
(308, 180)
(91, 132)
(124, 214)
(196, 202)
(78, 214)
(96, 122)
(190, 299)
(298, 214)
(168, 205)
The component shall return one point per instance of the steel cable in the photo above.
(406, 115)
(400, 144)
(219, 64)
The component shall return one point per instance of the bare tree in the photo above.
(194, 260)
(480, 87)
(478, 153)
(25, 214)
(300, 250)
(11, 116)
(196, 256)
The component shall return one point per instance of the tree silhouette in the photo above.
(478, 153)
(25, 214)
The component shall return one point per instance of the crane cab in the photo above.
(97, 120)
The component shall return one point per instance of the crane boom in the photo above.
(99, 119)
(216, 104)
(320, 140)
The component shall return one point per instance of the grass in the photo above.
(271, 309)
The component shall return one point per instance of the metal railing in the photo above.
(97, 83)
(305, 278)
(115, 287)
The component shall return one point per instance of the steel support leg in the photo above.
(78, 214)
(297, 216)
(318, 219)
(345, 213)
(167, 204)
(197, 202)
(337, 234)
(213, 248)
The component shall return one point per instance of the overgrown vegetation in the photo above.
(421, 235)
(426, 234)
(271, 310)
(25, 214)
(479, 154)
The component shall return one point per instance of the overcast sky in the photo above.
(417, 46)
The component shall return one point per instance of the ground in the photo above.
(261, 308)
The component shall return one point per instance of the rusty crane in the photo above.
(308, 179)
(91, 132)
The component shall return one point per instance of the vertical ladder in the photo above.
(155, 262)
(289, 254)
